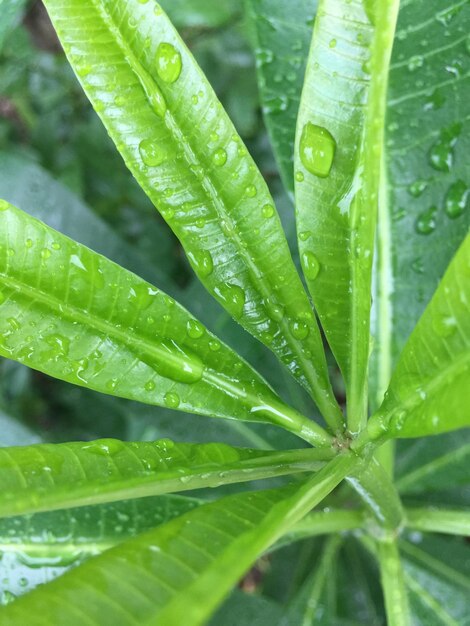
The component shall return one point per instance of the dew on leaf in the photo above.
(332, 43)
(214, 345)
(456, 199)
(195, 329)
(178, 363)
(233, 297)
(104, 447)
(141, 295)
(417, 187)
(299, 329)
(426, 222)
(202, 262)
(274, 309)
(267, 211)
(150, 385)
(168, 61)
(441, 154)
(151, 153)
(311, 265)
(251, 191)
(172, 400)
(220, 157)
(317, 149)
(415, 62)
(299, 177)
(444, 325)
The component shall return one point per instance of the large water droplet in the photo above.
(274, 309)
(142, 295)
(104, 447)
(317, 149)
(201, 260)
(267, 211)
(178, 364)
(456, 199)
(311, 265)
(168, 61)
(233, 297)
(220, 157)
(441, 154)
(172, 400)
(417, 187)
(152, 153)
(426, 222)
(195, 329)
(299, 329)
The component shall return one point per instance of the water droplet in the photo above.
(178, 363)
(304, 235)
(195, 329)
(332, 43)
(150, 385)
(444, 325)
(417, 188)
(263, 56)
(267, 211)
(251, 191)
(311, 265)
(201, 260)
(441, 155)
(232, 296)
(435, 100)
(274, 309)
(299, 329)
(426, 222)
(214, 345)
(317, 150)
(220, 157)
(456, 199)
(45, 253)
(415, 62)
(104, 447)
(172, 400)
(7, 597)
(141, 296)
(299, 177)
(29, 243)
(111, 384)
(168, 62)
(151, 153)
(277, 104)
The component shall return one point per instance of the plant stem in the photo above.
(374, 486)
(323, 523)
(393, 584)
(451, 522)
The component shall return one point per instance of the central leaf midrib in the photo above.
(173, 127)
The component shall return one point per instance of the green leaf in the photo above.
(29, 186)
(311, 606)
(180, 572)
(183, 150)
(244, 608)
(36, 548)
(429, 391)
(200, 13)
(54, 476)
(11, 12)
(433, 464)
(338, 155)
(433, 519)
(437, 575)
(77, 316)
(423, 213)
(282, 34)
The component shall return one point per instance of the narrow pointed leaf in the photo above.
(424, 211)
(282, 32)
(439, 520)
(183, 150)
(311, 606)
(429, 391)
(77, 316)
(180, 572)
(339, 148)
(37, 548)
(55, 476)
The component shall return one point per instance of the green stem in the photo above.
(448, 521)
(323, 523)
(376, 489)
(393, 584)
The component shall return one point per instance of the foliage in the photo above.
(343, 460)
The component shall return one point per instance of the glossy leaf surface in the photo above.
(183, 150)
(48, 476)
(339, 147)
(181, 571)
(282, 32)
(424, 211)
(37, 548)
(77, 316)
(429, 391)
